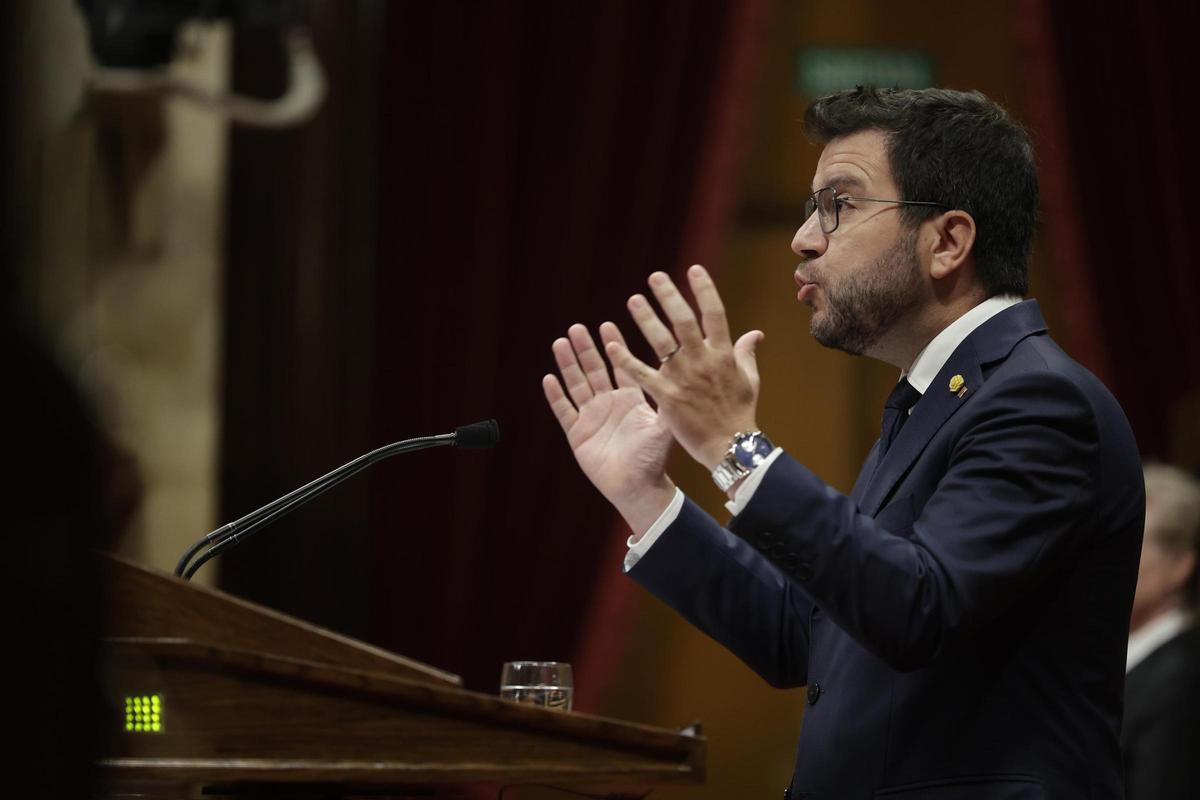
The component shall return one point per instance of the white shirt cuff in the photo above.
(639, 548)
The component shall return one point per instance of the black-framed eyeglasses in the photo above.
(827, 203)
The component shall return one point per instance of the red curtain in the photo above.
(531, 164)
(540, 160)
(1109, 90)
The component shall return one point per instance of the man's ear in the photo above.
(954, 241)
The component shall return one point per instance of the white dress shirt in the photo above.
(1153, 635)
(924, 369)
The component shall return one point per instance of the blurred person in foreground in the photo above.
(960, 619)
(71, 490)
(1162, 689)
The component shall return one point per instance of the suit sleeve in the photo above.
(1017, 486)
(728, 590)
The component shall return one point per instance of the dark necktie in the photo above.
(895, 413)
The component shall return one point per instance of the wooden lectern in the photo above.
(212, 695)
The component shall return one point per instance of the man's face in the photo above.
(1162, 574)
(1154, 575)
(864, 277)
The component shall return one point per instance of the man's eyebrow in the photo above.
(843, 183)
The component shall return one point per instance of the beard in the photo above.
(862, 307)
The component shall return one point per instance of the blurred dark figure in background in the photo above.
(69, 491)
(1162, 687)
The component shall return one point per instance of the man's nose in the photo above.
(810, 241)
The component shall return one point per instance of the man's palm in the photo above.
(619, 441)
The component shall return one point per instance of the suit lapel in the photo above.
(930, 413)
(864, 475)
(990, 342)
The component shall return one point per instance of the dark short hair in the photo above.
(956, 148)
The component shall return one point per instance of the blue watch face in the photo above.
(751, 450)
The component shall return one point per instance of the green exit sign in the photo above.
(823, 70)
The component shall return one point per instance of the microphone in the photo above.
(476, 436)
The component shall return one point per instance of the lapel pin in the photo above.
(956, 383)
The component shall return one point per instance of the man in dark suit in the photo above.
(1161, 733)
(960, 619)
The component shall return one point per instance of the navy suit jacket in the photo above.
(961, 619)
(1162, 722)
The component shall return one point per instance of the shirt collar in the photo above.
(932, 358)
(1154, 634)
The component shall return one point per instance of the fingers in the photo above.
(712, 328)
(584, 370)
(712, 310)
(661, 340)
(683, 321)
(576, 382)
(745, 353)
(611, 333)
(595, 370)
(584, 373)
(564, 410)
(643, 376)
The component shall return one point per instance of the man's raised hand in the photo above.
(706, 388)
(620, 442)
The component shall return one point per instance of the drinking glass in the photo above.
(540, 683)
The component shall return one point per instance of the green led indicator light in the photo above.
(144, 713)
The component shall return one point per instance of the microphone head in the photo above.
(477, 435)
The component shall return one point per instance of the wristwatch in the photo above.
(747, 450)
